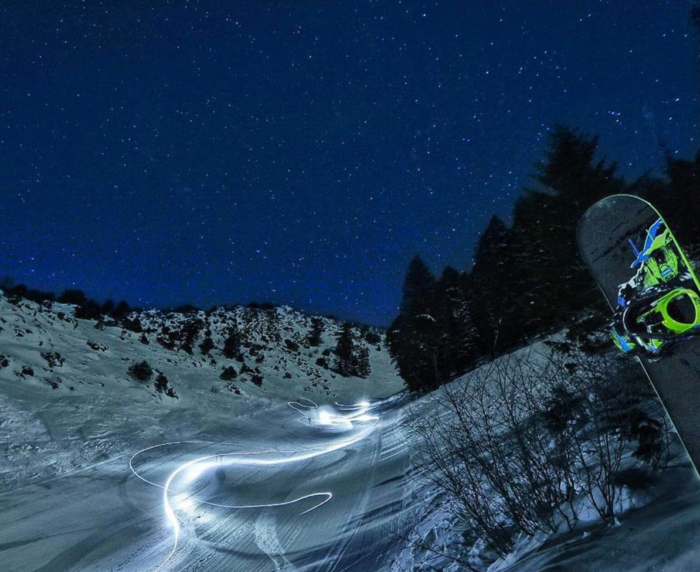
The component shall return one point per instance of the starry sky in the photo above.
(302, 151)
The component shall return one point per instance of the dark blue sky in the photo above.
(303, 151)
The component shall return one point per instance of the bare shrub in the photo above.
(520, 445)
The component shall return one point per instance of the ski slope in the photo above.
(308, 471)
(315, 496)
(305, 472)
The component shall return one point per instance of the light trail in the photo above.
(303, 408)
(202, 464)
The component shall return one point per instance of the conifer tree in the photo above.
(352, 358)
(492, 291)
(457, 346)
(414, 336)
(189, 332)
(362, 365)
(344, 351)
(314, 337)
(418, 289)
(567, 182)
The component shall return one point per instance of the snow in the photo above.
(97, 411)
(68, 430)
(654, 530)
(330, 456)
(661, 535)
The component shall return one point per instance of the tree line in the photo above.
(527, 277)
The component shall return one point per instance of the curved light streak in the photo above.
(303, 409)
(359, 414)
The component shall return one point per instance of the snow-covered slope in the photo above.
(657, 512)
(67, 398)
(69, 408)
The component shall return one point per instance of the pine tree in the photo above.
(457, 346)
(493, 282)
(344, 351)
(162, 385)
(414, 336)
(362, 365)
(314, 337)
(418, 289)
(567, 182)
(88, 310)
(351, 357)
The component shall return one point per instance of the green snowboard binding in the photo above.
(661, 303)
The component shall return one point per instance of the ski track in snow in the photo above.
(265, 527)
(267, 541)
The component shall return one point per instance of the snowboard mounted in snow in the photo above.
(654, 294)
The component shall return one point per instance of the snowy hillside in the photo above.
(484, 446)
(95, 416)
(68, 399)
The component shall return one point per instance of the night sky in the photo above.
(302, 151)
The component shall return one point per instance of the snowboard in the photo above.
(611, 238)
